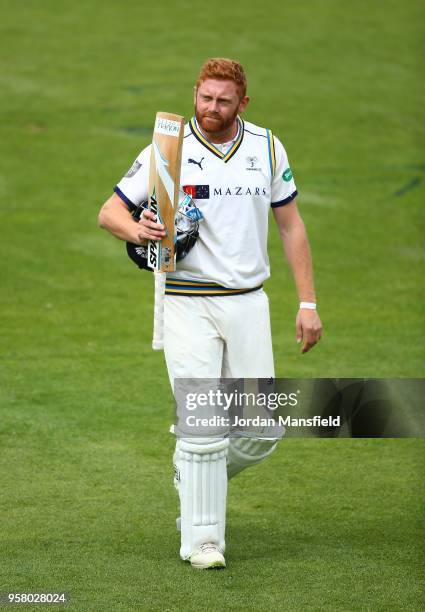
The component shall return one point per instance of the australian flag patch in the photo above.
(197, 192)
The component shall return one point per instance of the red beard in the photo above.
(214, 123)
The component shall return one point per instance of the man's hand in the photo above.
(309, 329)
(148, 229)
(116, 217)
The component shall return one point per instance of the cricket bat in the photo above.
(164, 183)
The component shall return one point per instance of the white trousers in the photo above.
(214, 337)
(221, 336)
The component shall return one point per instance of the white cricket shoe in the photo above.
(207, 556)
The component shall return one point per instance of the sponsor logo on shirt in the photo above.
(240, 191)
(134, 168)
(197, 192)
(198, 163)
(202, 192)
(287, 175)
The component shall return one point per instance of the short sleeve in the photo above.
(133, 187)
(283, 185)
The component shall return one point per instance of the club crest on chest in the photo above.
(252, 162)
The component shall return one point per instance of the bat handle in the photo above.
(158, 317)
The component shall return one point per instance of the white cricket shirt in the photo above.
(234, 191)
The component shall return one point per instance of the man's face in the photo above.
(217, 104)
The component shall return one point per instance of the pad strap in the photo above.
(244, 452)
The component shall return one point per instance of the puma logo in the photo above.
(193, 161)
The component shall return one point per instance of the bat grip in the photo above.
(158, 317)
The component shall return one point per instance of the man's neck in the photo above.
(221, 137)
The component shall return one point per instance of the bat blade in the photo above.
(164, 182)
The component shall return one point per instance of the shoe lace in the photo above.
(208, 547)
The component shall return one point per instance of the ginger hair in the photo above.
(225, 70)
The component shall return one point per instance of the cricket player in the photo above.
(216, 312)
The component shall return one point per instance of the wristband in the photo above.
(307, 306)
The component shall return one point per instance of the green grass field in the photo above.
(87, 502)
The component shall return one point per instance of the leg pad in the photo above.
(201, 480)
(244, 452)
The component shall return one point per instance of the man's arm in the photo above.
(297, 251)
(115, 217)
